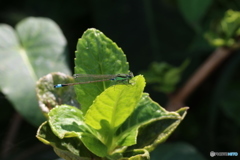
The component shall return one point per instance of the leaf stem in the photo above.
(178, 99)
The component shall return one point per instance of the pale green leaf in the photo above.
(33, 50)
(115, 104)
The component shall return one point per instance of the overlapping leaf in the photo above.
(112, 108)
(68, 148)
(148, 119)
(97, 54)
(68, 122)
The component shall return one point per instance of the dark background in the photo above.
(147, 31)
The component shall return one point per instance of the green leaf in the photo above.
(66, 155)
(67, 121)
(113, 107)
(172, 77)
(164, 76)
(153, 124)
(97, 54)
(94, 145)
(160, 131)
(194, 10)
(67, 148)
(226, 32)
(49, 97)
(147, 112)
(33, 50)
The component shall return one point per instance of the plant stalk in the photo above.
(177, 100)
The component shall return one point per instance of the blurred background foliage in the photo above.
(167, 34)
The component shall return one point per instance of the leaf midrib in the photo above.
(113, 117)
(26, 61)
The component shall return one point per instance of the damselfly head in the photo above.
(130, 75)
